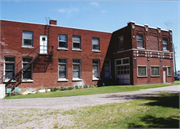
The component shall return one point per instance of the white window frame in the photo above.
(27, 46)
(76, 49)
(96, 50)
(138, 70)
(98, 71)
(27, 80)
(75, 63)
(155, 75)
(59, 41)
(8, 62)
(59, 63)
(168, 71)
(109, 67)
(140, 41)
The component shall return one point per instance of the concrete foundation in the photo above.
(2, 91)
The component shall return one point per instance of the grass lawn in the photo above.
(90, 91)
(154, 112)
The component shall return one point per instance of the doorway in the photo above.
(43, 44)
(164, 75)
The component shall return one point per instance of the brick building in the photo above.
(37, 55)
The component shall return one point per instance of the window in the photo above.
(155, 71)
(9, 67)
(76, 68)
(63, 41)
(27, 38)
(140, 43)
(76, 42)
(118, 62)
(142, 71)
(27, 72)
(95, 71)
(165, 44)
(169, 71)
(62, 68)
(125, 61)
(95, 43)
(107, 69)
(121, 43)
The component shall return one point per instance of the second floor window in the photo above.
(63, 41)
(165, 44)
(121, 43)
(95, 43)
(76, 42)
(140, 43)
(27, 38)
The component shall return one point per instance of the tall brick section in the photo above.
(45, 72)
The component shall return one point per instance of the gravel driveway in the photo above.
(46, 113)
(84, 100)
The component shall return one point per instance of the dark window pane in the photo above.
(95, 61)
(62, 60)
(62, 74)
(76, 67)
(62, 44)
(28, 42)
(9, 74)
(76, 45)
(9, 67)
(76, 61)
(118, 62)
(125, 61)
(96, 47)
(27, 75)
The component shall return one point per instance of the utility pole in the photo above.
(174, 53)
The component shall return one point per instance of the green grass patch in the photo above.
(90, 91)
(154, 112)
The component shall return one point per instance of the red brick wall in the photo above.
(12, 42)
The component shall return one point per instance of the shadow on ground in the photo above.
(169, 100)
(154, 122)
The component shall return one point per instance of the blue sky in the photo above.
(106, 16)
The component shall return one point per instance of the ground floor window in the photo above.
(169, 71)
(62, 63)
(27, 72)
(76, 68)
(107, 68)
(142, 71)
(155, 71)
(9, 67)
(95, 69)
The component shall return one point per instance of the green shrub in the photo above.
(76, 87)
(86, 86)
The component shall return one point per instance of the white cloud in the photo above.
(94, 4)
(61, 10)
(103, 11)
(68, 11)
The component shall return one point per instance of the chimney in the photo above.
(53, 22)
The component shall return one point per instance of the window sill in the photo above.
(155, 75)
(141, 48)
(96, 79)
(62, 80)
(74, 49)
(165, 50)
(28, 80)
(96, 51)
(76, 79)
(6, 80)
(142, 76)
(62, 48)
(27, 47)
